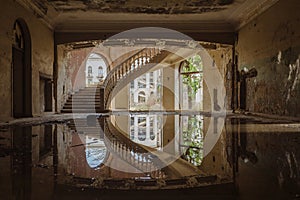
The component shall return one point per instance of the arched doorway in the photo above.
(96, 70)
(21, 71)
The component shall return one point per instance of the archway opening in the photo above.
(96, 70)
(21, 71)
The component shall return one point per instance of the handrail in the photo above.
(130, 65)
(115, 68)
(132, 153)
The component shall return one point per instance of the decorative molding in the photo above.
(36, 10)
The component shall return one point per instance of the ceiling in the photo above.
(113, 16)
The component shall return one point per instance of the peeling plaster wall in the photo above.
(42, 58)
(64, 85)
(222, 56)
(139, 6)
(271, 44)
(72, 65)
(42, 54)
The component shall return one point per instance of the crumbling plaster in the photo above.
(72, 66)
(271, 44)
(138, 6)
(42, 54)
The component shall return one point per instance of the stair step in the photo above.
(89, 89)
(80, 106)
(86, 94)
(78, 103)
(84, 100)
(84, 97)
(78, 110)
(88, 130)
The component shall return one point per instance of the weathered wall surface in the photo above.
(42, 54)
(222, 57)
(271, 44)
(72, 66)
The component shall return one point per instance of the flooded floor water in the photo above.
(151, 155)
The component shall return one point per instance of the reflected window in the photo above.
(191, 141)
(146, 130)
(142, 134)
(152, 134)
(132, 128)
(95, 151)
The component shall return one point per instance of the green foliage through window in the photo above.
(193, 80)
(193, 140)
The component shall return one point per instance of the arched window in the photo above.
(100, 72)
(96, 69)
(90, 71)
(149, 83)
(191, 78)
(142, 97)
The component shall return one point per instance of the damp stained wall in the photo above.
(72, 66)
(271, 44)
(42, 55)
(222, 58)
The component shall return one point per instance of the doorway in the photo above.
(21, 71)
(45, 93)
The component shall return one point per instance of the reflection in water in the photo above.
(192, 138)
(146, 130)
(95, 151)
(21, 163)
(44, 162)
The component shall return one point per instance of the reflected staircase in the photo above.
(178, 174)
(144, 160)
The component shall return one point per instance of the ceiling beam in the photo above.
(215, 37)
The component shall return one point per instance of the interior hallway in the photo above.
(110, 99)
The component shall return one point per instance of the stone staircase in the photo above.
(86, 100)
